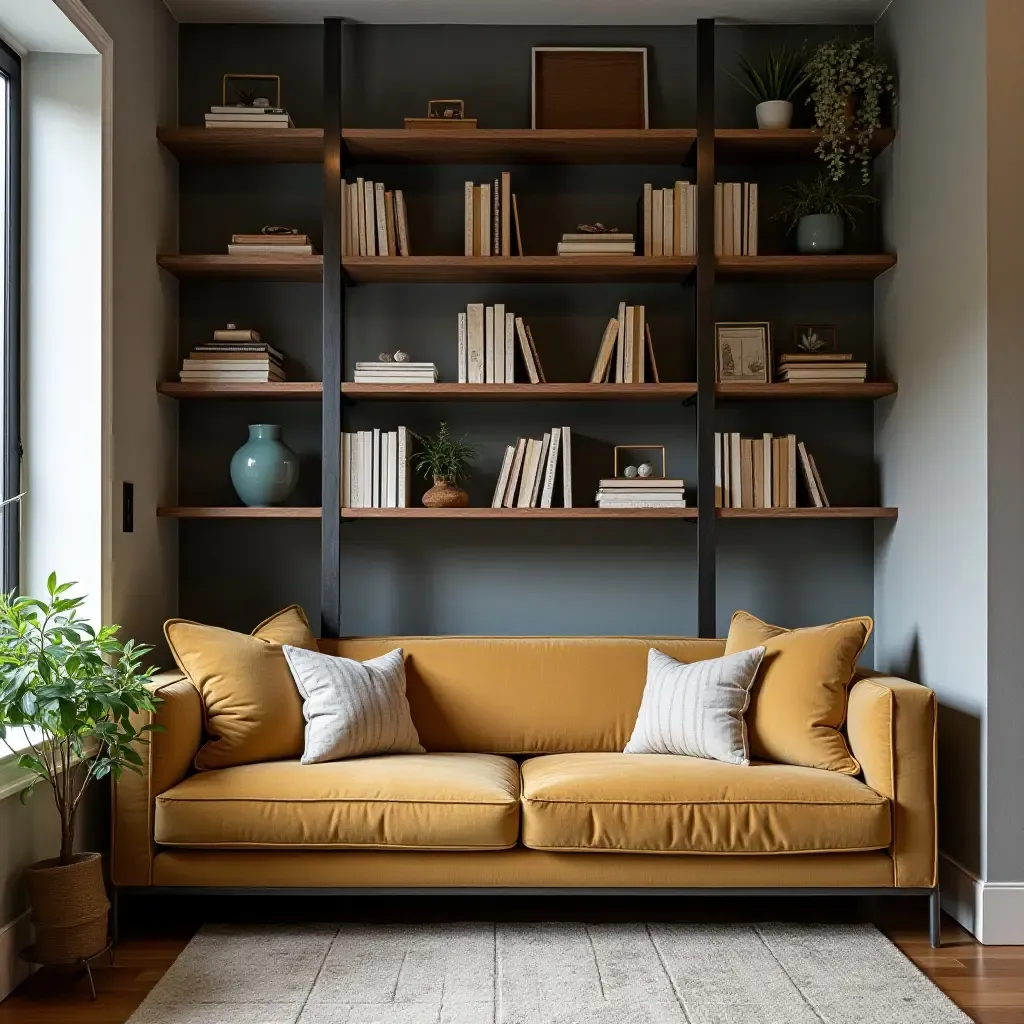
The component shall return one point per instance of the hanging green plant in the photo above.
(848, 80)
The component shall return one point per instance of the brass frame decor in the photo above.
(659, 448)
(753, 369)
(443, 114)
(237, 81)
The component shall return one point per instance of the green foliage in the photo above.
(781, 78)
(822, 195)
(444, 457)
(848, 80)
(75, 689)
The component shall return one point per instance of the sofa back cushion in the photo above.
(524, 695)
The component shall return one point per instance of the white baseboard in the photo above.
(14, 936)
(992, 911)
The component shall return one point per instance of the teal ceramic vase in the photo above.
(820, 233)
(264, 471)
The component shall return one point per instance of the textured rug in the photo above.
(544, 974)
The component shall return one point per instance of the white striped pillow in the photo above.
(696, 710)
(353, 708)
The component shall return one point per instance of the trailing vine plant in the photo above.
(848, 80)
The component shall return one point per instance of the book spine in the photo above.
(727, 212)
(463, 364)
(499, 343)
(658, 223)
(489, 345)
(382, 220)
(393, 469)
(629, 345)
(506, 214)
(766, 482)
(346, 469)
(736, 469)
(718, 218)
(369, 214)
(737, 219)
(791, 469)
(718, 470)
(526, 351)
(475, 349)
(526, 483)
(551, 469)
(389, 216)
(647, 222)
(236, 335)
(469, 232)
(403, 468)
(496, 217)
(691, 222)
(620, 347)
(499, 487)
(679, 220)
(485, 220)
(566, 468)
(668, 231)
(538, 476)
(403, 223)
(509, 500)
(639, 374)
(752, 218)
(375, 470)
(510, 348)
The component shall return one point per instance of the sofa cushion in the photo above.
(661, 803)
(401, 802)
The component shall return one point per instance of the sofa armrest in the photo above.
(166, 760)
(891, 726)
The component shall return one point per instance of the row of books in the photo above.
(761, 472)
(374, 220)
(668, 220)
(736, 218)
(266, 244)
(530, 470)
(491, 219)
(487, 346)
(819, 368)
(626, 354)
(233, 357)
(641, 492)
(248, 117)
(395, 373)
(597, 243)
(375, 468)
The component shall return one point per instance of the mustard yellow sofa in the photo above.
(524, 786)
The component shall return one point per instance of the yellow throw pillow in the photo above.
(798, 704)
(252, 709)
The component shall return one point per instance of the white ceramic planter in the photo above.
(774, 114)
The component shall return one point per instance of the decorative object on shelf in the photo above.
(639, 486)
(264, 471)
(249, 102)
(743, 352)
(587, 242)
(235, 356)
(390, 371)
(819, 209)
(668, 220)
(75, 689)
(630, 450)
(630, 472)
(385, 357)
(529, 472)
(443, 114)
(762, 472)
(272, 241)
(589, 87)
(645, 470)
(774, 86)
(401, 357)
(848, 80)
(813, 339)
(489, 216)
(736, 218)
(445, 461)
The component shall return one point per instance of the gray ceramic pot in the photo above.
(820, 233)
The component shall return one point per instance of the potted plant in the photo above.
(774, 86)
(848, 80)
(819, 209)
(445, 461)
(73, 690)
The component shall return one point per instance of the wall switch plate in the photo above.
(128, 507)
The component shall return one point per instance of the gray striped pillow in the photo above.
(353, 708)
(696, 710)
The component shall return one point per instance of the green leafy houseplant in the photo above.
(848, 80)
(781, 77)
(443, 458)
(823, 195)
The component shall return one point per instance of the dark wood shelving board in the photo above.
(236, 512)
(282, 392)
(246, 145)
(802, 268)
(742, 144)
(522, 392)
(836, 512)
(518, 513)
(783, 391)
(247, 268)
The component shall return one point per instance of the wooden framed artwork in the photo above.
(589, 87)
(743, 353)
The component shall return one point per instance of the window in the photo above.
(10, 313)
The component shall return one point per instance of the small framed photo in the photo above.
(815, 339)
(743, 353)
(446, 110)
(251, 91)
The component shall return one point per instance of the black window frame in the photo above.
(10, 343)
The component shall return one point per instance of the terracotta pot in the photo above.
(69, 909)
(445, 495)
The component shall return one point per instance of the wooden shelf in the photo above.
(519, 145)
(473, 269)
(521, 392)
(822, 268)
(784, 390)
(254, 146)
(245, 268)
(836, 512)
(236, 512)
(281, 392)
(518, 513)
(743, 144)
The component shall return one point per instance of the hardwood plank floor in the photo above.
(987, 982)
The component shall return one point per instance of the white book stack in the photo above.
(640, 492)
(376, 468)
(529, 476)
(374, 220)
(606, 243)
(821, 368)
(248, 117)
(271, 245)
(235, 356)
(736, 217)
(488, 337)
(668, 220)
(395, 373)
(626, 353)
(491, 219)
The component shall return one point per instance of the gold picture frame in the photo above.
(743, 352)
(641, 448)
(231, 78)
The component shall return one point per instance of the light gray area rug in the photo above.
(544, 974)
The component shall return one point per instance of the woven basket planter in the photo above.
(69, 909)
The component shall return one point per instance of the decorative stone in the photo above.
(629, 472)
(385, 357)
(401, 357)
(231, 327)
(645, 469)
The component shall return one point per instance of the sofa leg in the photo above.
(935, 918)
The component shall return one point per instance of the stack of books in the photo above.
(488, 337)
(491, 219)
(375, 468)
(594, 243)
(641, 492)
(824, 367)
(668, 220)
(529, 472)
(626, 354)
(395, 373)
(233, 357)
(762, 472)
(374, 221)
(248, 117)
(736, 218)
(276, 245)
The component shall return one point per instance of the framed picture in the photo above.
(743, 353)
(251, 91)
(589, 87)
(815, 339)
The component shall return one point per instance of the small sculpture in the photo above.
(597, 228)
(385, 357)
(401, 357)
(629, 472)
(645, 470)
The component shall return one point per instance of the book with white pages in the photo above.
(385, 469)
(346, 470)
(566, 468)
(538, 477)
(404, 467)
(370, 218)
(499, 343)
(475, 342)
(489, 345)
(509, 500)
(393, 469)
(551, 469)
(375, 470)
(510, 348)
(502, 484)
(529, 470)
(463, 366)
(383, 245)
(766, 484)
(620, 346)
(527, 351)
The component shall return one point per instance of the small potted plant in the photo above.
(819, 209)
(445, 461)
(774, 86)
(848, 80)
(73, 689)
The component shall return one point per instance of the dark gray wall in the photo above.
(501, 577)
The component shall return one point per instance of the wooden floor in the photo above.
(985, 981)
